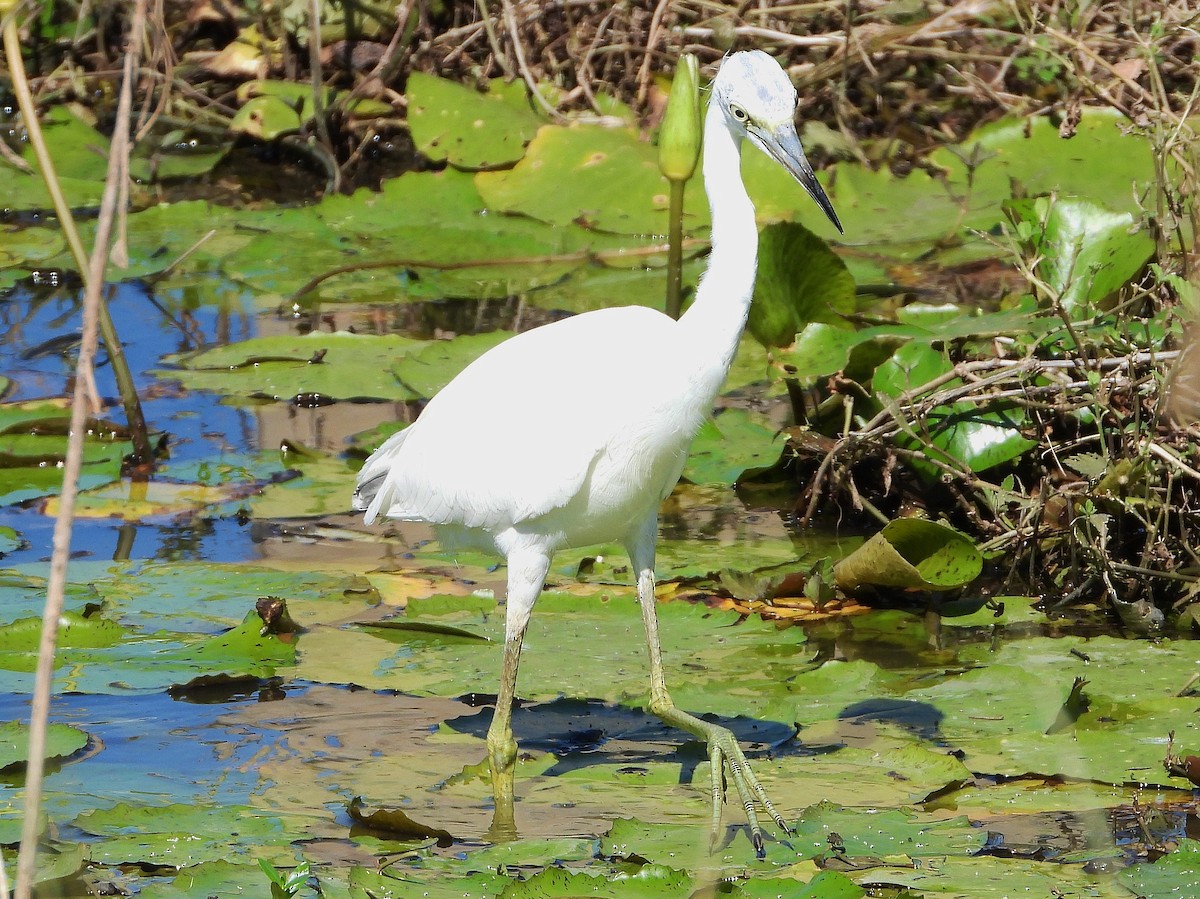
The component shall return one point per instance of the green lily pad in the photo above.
(1175, 874)
(800, 280)
(567, 175)
(647, 882)
(1118, 737)
(1086, 252)
(1103, 159)
(729, 446)
(469, 129)
(964, 433)
(182, 835)
(334, 366)
(996, 611)
(266, 118)
(825, 885)
(430, 368)
(9, 540)
(426, 234)
(80, 155)
(54, 862)
(883, 833)
(987, 877)
(911, 553)
(216, 878)
(62, 741)
(33, 446)
(100, 656)
(1028, 795)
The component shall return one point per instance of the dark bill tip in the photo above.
(783, 145)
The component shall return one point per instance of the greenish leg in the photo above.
(723, 748)
(526, 576)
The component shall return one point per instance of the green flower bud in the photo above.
(679, 137)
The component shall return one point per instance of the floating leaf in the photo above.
(647, 882)
(428, 369)
(181, 835)
(33, 446)
(883, 833)
(266, 118)
(80, 155)
(134, 500)
(469, 129)
(911, 553)
(62, 741)
(334, 366)
(568, 174)
(732, 444)
(1175, 874)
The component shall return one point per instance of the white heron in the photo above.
(573, 433)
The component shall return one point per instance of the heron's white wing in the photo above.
(516, 433)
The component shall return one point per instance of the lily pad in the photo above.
(469, 129)
(1175, 874)
(62, 740)
(800, 280)
(962, 433)
(334, 366)
(33, 447)
(647, 882)
(183, 835)
(428, 369)
(1086, 253)
(884, 833)
(567, 175)
(911, 553)
(729, 446)
(80, 155)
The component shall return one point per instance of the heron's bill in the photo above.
(783, 145)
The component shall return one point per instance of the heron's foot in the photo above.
(726, 756)
(502, 759)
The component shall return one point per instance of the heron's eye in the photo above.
(738, 113)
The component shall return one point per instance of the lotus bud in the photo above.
(679, 137)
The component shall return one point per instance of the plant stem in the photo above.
(143, 453)
(675, 250)
(93, 306)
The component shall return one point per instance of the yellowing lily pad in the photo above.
(134, 500)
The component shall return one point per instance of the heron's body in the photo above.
(541, 458)
(574, 433)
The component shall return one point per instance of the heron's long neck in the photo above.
(715, 320)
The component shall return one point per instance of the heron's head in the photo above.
(758, 102)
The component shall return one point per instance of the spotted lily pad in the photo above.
(568, 174)
(467, 128)
(911, 553)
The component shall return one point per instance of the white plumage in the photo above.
(573, 433)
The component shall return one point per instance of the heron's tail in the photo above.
(372, 492)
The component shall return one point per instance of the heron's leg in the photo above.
(526, 576)
(723, 748)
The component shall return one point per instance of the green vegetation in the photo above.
(957, 446)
